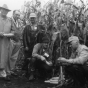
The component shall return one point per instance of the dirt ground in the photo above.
(21, 81)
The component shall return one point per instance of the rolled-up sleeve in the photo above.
(81, 59)
(35, 50)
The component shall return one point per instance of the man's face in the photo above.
(74, 44)
(46, 44)
(33, 20)
(16, 15)
(4, 12)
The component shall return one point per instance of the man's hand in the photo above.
(49, 63)
(43, 58)
(26, 48)
(61, 59)
(1, 34)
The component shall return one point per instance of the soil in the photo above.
(21, 81)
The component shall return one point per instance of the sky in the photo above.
(17, 4)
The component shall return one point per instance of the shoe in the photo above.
(5, 78)
(47, 81)
(55, 78)
(13, 74)
(52, 81)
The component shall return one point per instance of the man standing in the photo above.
(6, 32)
(30, 38)
(15, 41)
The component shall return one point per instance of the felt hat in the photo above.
(5, 7)
(45, 40)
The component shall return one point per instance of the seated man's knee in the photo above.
(33, 59)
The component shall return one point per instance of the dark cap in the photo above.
(45, 39)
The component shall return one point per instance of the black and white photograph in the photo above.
(43, 44)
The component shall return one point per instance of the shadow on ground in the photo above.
(22, 82)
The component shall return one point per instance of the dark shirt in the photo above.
(30, 36)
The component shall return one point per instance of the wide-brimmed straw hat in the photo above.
(4, 7)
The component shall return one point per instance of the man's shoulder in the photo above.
(83, 47)
(27, 26)
(38, 45)
(9, 18)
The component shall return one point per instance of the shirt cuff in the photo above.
(71, 60)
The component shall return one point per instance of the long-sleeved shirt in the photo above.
(18, 29)
(81, 55)
(38, 50)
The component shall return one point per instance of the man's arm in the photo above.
(35, 51)
(11, 34)
(24, 37)
(81, 59)
(13, 28)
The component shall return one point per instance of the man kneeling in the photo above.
(42, 58)
(79, 66)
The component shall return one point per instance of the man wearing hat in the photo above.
(42, 58)
(79, 68)
(30, 38)
(6, 32)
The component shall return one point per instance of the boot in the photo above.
(31, 77)
(31, 70)
(31, 74)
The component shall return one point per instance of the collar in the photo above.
(34, 24)
(14, 20)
